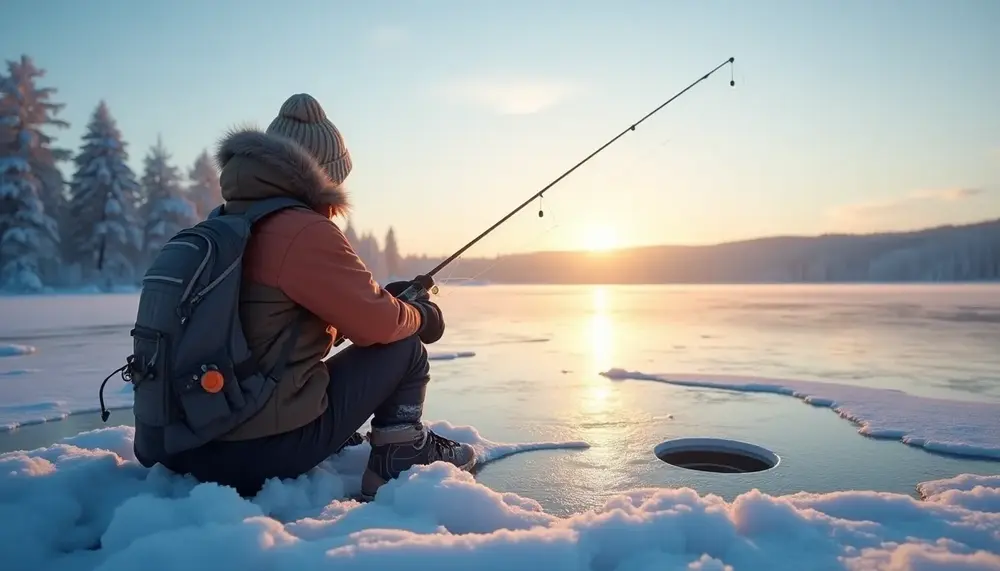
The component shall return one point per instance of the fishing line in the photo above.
(535, 239)
(541, 193)
(425, 282)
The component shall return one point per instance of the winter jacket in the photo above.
(299, 262)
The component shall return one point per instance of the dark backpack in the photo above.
(194, 378)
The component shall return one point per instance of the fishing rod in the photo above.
(425, 282)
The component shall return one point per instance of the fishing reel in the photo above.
(419, 285)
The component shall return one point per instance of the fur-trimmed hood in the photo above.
(255, 165)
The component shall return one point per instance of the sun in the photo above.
(599, 239)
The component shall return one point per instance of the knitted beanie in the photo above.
(303, 120)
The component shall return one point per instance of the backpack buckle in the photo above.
(135, 371)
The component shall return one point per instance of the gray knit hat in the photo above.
(303, 120)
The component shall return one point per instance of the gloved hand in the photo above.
(426, 283)
(431, 318)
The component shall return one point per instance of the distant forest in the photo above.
(943, 254)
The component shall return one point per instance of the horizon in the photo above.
(892, 130)
(804, 236)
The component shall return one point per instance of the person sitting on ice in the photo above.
(298, 259)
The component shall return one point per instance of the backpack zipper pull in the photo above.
(183, 312)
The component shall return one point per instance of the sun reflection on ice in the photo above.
(597, 392)
(599, 416)
(601, 328)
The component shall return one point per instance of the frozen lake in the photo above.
(535, 375)
(539, 352)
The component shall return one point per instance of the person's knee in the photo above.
(407, 357)
(415, 346)
(413, 350)
(411, 343)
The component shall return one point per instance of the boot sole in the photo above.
(370, 479)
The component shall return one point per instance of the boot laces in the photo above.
(443, 446)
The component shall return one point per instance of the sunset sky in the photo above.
(847, 116)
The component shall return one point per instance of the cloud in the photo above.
(508, 95)
(387, 36)
(924, 207)
(962, 193)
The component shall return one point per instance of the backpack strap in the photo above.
(217, 211)
(261, 208)
(258, 210)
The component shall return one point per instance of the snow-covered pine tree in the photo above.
(29, 237)
(204, 189)
(393, 260)
(166, 211)
(30, 110)
(104, 235)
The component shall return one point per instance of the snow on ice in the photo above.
(449, 356)
(12, 350)
(968, 428)
(84, 503)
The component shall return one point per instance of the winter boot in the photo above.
(396, 450)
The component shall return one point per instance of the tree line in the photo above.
(951, 253)
(103, 226)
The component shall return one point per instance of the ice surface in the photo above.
(954, 427)
(84, 503)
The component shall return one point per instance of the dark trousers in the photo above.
(388, 381)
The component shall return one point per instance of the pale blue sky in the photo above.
(847, 116)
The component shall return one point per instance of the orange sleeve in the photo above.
(322, 273)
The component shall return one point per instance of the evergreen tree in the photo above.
(393, 260)
(204, 190)
(166, 211)
(28, 236)
(368, 250)
(352, 236)
(104, 235)
(27, 110)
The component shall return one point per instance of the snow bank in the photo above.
(967, 490)
(84, 503)
(10, 350)
(970, 428)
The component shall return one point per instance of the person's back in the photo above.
(302, 284)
